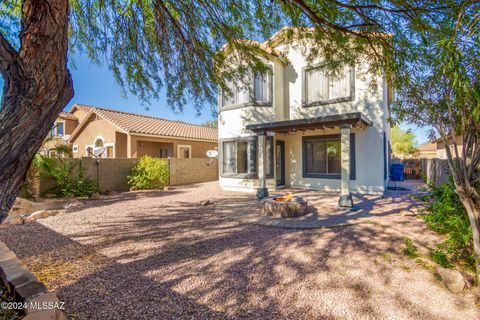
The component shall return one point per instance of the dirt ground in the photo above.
(160, 255)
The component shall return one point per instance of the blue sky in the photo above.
(94, 85)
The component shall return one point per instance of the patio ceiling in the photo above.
(355, 119)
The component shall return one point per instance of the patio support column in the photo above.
(345, 200)
(262, 191)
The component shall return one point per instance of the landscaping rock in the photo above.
(44, 298)
(74, 205)
(36, 215)
(453, 279)
(29, 290)
(11, 221)
(133, 189)
(407, 213)
(95, 196)
(52, 314)
(205, 202)
(40, 215)
(166, 188)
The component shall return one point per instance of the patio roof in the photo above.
(356, 119)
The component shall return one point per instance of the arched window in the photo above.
(98, 143)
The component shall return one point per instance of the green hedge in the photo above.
(149, 173)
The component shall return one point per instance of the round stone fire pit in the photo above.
(287, 206)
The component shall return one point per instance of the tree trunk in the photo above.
(37, 87)
(472, 206)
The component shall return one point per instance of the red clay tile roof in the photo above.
(67, 116)
(429, 146)
(136, 123)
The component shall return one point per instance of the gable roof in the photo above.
(281, 35)
(263, 47)
(67, 116)
(132, 123)
(429, 146)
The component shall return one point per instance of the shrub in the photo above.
(149, 173)
(445, 214)
(66, 185)
(83, 186)
(410, 249)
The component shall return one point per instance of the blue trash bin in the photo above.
(396, 173)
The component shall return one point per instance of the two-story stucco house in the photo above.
(299, 127)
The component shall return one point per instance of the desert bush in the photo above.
(445, 214)
(410, 250)
(149, 173)
(67, 185)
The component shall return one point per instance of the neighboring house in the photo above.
(442, 153)
(296, 126)
(59, 134)
(427, 150)
(119, 134)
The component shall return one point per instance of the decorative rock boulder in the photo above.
(453, 279)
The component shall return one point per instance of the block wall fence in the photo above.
(111, 174)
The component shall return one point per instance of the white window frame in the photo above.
(184, 146)
(252, 98)
(306, 103)
(105, 144)
(269, 74)
(55, 129)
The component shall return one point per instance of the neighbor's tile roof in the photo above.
(67, 116)
(429, 146)
(136, 123)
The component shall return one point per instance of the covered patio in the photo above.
(344, 123)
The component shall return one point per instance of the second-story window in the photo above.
(59, 129)
(263, 87)
(322, 88)
(238, 94)
(252, 89)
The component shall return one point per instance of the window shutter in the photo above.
(340, 86)
(352, 157)
(252, 163)
(317, 85)
(270, 157)
(269, 86)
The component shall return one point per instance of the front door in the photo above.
(280, 162)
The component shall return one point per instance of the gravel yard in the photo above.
(160, 255)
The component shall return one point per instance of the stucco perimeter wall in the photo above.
(185, 171)
(112, 173)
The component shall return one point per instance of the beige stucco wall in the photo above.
(120, 145)
(442, 153)
(370, 99)
(70, 125)
(151, 146)
(195, 170)
(368, 162)
(96, 127)
(80, 113)
(112, 173)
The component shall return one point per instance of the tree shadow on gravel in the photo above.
(186, 261)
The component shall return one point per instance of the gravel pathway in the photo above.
(160, 255)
